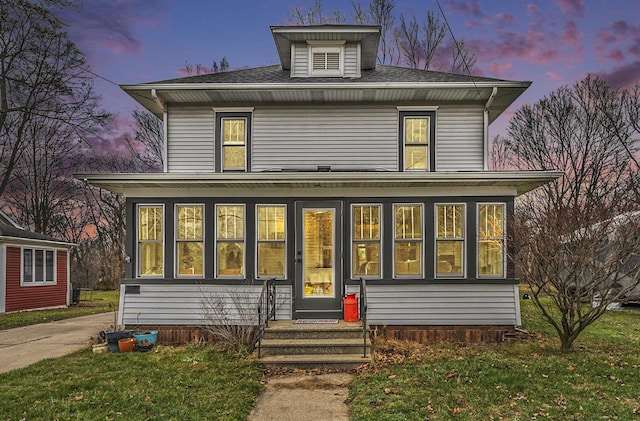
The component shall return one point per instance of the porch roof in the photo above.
(521, 181)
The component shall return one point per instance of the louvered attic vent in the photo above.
(326, 61)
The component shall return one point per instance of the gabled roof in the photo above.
(13, 233)
(273, 84)
(6, 220)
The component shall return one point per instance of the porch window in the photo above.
(272, 239)
(491, 240)
(408, 238)
(234, 144)
(189, 240)
(366, 240)
(38, 267)
(450, 231)
(150, 240)
(230, 241)
(416, 143)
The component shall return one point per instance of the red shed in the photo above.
(34, 269)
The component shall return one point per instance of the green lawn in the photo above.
(181, 383)
(90, 303)
(528, 379)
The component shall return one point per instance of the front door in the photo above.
(318, 284)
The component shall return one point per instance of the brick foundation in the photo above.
(177, 335)
(453, 334)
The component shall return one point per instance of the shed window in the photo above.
(189, 240)
(366, 240)
(491, 240)
(230, 241)
(450, 232)
(272, 240)
(38, 266)
(408, 237)
(150, 240)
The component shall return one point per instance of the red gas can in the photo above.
(350, 308)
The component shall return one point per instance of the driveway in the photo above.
(26, 345)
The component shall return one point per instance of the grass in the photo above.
(192, 382)
(90, 303)
(528, 379)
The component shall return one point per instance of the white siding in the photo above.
(460, 138)
(300, 60)
(191, 145)
(351, 68)
(357, 137)
(180, 304)
(441, 304)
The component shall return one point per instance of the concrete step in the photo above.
(313, 346)
(314, 361)
(287, 329)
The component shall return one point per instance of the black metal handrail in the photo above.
(266, 308)
(363, 312)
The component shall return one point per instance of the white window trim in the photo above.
(176, 241)
(504, 239)
(245, 145)
(35, 283)
(258, 241)
(422, 240)
(427, 144)
(164, 238)
(216, 241)
(380, 241)
(326, 47)
(464, 241)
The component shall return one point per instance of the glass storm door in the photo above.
(318, 288)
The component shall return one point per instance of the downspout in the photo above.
(494, 92)
(156, 98)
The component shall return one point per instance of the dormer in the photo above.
(327, 50)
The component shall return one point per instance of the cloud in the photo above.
(530, 46)
(572, 7)
(620, 38)
(504, 18)
(552, 75)
(571, 34)
(624, 76)
(109, 24)
(499, 70)
(471, 7)
(533, 9)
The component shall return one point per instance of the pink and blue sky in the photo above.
(549, 42)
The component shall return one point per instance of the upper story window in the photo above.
(233, 141)
(326, 60)
(150, 240)
(416, 150)
(38, 267)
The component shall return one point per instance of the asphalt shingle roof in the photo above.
(275, 74)
(11, 231)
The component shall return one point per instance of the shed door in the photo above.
(318, 285)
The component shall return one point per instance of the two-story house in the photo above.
(319, 171)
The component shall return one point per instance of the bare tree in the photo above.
(463, 59)
(42, 75)
(575, 239)
(147, 146)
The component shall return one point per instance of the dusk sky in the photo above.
(549, 42)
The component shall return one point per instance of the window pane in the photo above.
(234, 157)
(366, 222)
(271, 222)
(49, 266)
(490, 257)
(230, 222)
(415, 130)
(190, 258)
(189, 222)
(271, 259)
(449, 257)
(366, 259)
(151, 258)
(233, 131)
(408, 222)
(407, 258)
(450, 221)
(39, 268)
(230, 258)
(27, 265)
(491, 221)
(415, 158)
(150, 219)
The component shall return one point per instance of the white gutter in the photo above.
(20, 240)
(494, 92)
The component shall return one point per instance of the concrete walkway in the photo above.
(26, 345)
(298, 397)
